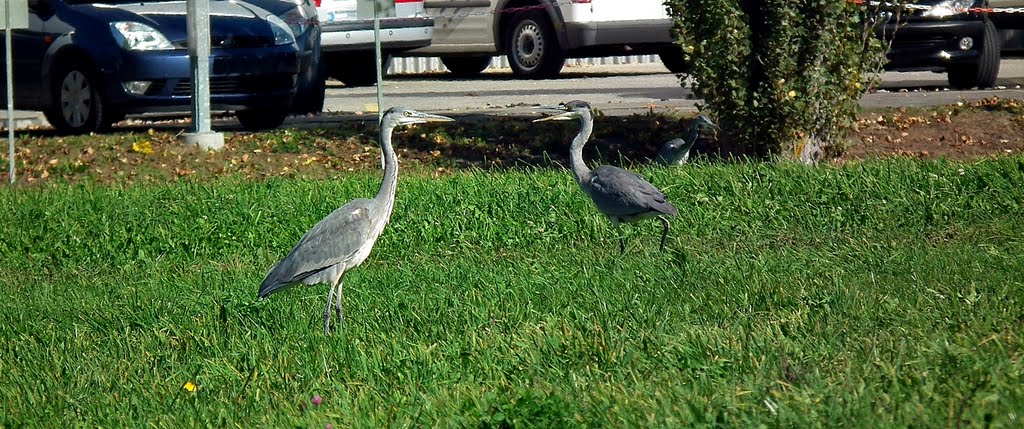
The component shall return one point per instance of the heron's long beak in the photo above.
(423, 118)
(567, 116)
(556, 107)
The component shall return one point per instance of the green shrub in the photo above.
(779, 76)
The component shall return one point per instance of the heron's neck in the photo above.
(690, 139)
(576, 163)
(386, 193)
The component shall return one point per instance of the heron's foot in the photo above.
(622, 246)
(340, 313)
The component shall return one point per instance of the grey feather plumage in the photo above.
(673, 152)
(621, 195)
(331, 243)
(343, 239)
(677, 151)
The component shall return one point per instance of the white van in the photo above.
(347, 35)
(538, 35)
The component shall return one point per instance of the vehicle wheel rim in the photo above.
(75, 99)
(529, 45)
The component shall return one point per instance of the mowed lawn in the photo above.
(882, 294)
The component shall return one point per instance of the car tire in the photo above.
(77, 105)
(356, 68)
(466, 66)
(674, 60)
(982, 74)
(261, 119)
(532, 46)
(310, 99)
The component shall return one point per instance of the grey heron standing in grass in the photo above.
(620, 195)
(677, 151)
(342, 240)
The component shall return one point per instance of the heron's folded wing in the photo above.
(618, 192)
(333, 240)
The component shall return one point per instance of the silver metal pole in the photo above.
(10, 87)
(199, 56)
(198, 20)
(380, 64)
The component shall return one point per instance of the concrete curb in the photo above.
(23, 120)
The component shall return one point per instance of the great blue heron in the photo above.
(621, 195)
(342, 240)
(677, 151)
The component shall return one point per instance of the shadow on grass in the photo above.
(321, 146)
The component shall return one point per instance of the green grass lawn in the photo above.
(889, 293)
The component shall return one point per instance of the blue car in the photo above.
(301, 17)
(86, 63)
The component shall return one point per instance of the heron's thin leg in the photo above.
(327, 312)
(664, 233)
(338, 304)
(622, 238)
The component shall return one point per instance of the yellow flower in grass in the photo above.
(144, 147)
(189, 386)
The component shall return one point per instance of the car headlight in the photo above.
(136, 36)
(948, 8)
(296, 19)
(282, 34)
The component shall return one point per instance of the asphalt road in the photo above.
(623, 89)
(615, 89)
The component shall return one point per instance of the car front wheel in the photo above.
(674, 60)
(466, 66)
(356, 68)
(532, 46)
(77, 106)
(261, 119)
(309, 98)
(983, 73)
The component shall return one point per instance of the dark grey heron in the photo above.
(677, 151)
(621, 195)
(342, 240)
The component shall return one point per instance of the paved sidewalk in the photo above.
(619, 89)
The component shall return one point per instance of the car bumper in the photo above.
(933, 44)
(583, 35)
(358, 35)
(253, 78)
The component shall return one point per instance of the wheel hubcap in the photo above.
(529, 45)
(75, 99)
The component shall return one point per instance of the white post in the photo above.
(10, 86)
(198, 20)
(379, 62)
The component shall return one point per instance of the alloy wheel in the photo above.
(529, 44)
(75, 99)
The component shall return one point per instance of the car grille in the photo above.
(224, 42)
(921, 43)
(241, 42)
(224, 85)
(252, 64)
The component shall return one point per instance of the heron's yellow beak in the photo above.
(422, 118)
(567, 116)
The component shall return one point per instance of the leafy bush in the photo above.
(780, 74)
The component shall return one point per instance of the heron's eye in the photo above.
(406, 113)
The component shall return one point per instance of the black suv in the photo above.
(945, 36)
